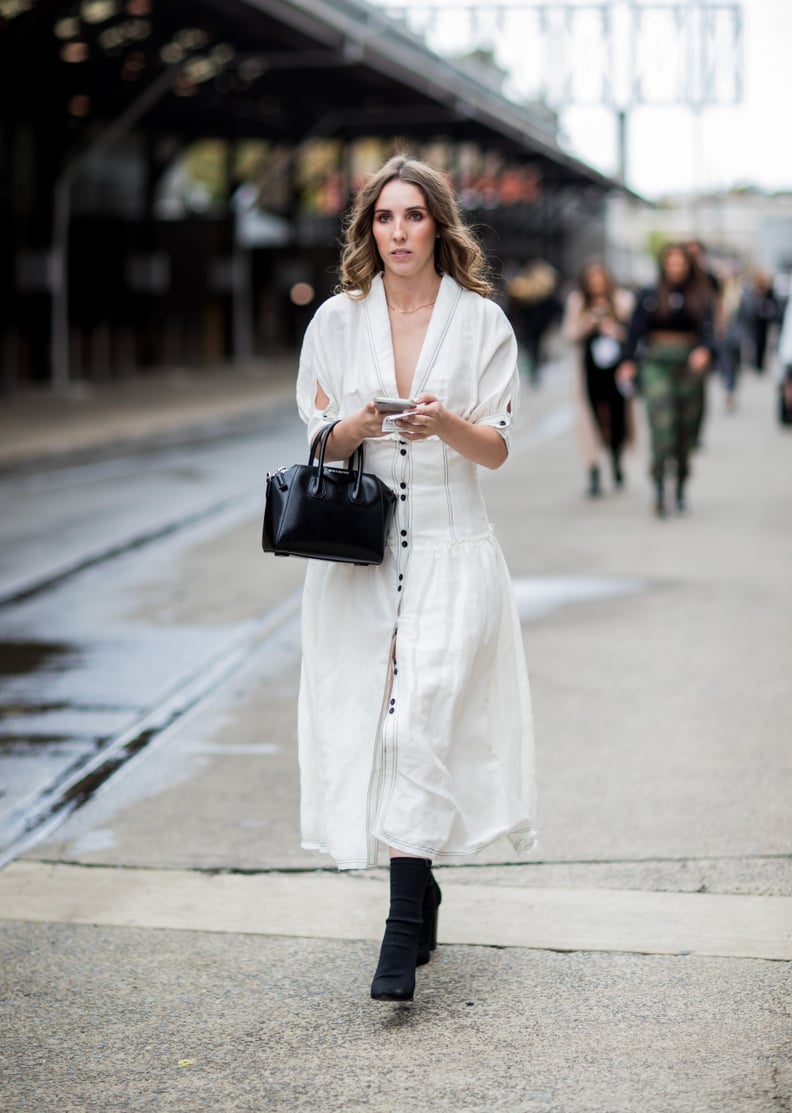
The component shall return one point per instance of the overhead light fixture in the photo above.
(249, 69)
(302, 293)
(171, 54)
(98, 11)
(191, 38)
(133, 66)
(75, 52)
(223, 53)
(200, 69)
(184, 88)
(79, 105)
(10, 9)
(67, 28)
(129, 31)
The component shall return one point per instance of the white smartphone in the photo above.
(394, 405)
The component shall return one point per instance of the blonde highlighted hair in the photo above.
(457, 251)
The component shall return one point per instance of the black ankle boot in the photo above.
(659, 501)
(680, 496)
(427, 940)
(618, 475)
(594, 482)
(394, 979)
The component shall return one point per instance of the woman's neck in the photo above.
(405, 295)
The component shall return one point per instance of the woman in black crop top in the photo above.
(670, 340)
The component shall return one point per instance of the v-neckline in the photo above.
(382, 336)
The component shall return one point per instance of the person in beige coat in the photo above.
(596, 316)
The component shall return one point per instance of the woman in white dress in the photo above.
(415, 729)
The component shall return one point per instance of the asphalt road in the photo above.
(169, 945)
(83, 675)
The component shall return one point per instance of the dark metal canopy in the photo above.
(254, 68)
(98, 97)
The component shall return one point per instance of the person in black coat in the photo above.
(759, 310)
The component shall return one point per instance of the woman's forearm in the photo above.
(482, 444)
(350, 432)
(346, 436)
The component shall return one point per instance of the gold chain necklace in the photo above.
(407, 312)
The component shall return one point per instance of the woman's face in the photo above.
(675, 266)
(596, 281)
(404, 230)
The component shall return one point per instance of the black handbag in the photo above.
(324, 513)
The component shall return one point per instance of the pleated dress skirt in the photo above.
(415, 723)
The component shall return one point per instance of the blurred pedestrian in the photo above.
(785, 366)
(533, 308)
(730, 342)
(699, 258)
(760, 310)
(415, 730)
(596, 317)
(670, 340)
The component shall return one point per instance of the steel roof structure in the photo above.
(265, 68)
(80, 77)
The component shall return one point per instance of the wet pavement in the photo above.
(168, 944)
(91, 644)
(56, 520)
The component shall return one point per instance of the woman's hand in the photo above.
(480, 443)
(429, 419)
(351, 431)
(368, 422)
(626, 373)
(699, 360)
(611, 327)
(589, 323)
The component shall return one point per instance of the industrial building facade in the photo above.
(174, 175)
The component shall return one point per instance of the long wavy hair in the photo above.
(694, 286)
(584, 275)
(457, 251)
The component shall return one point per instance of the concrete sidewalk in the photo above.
(39, 424)
(171, 948)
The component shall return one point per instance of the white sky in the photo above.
(674, 149)
(669, 149)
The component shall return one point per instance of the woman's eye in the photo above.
(382, 218)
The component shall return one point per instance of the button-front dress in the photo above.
(414, 717)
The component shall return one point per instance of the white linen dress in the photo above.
(414, 717)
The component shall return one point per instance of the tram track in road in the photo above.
(92, 673)
(58, 522)
(80, 782)
(27, 589)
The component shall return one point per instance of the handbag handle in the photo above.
(316, 487)
(322, 436)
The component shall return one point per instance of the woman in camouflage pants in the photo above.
(670, 340)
